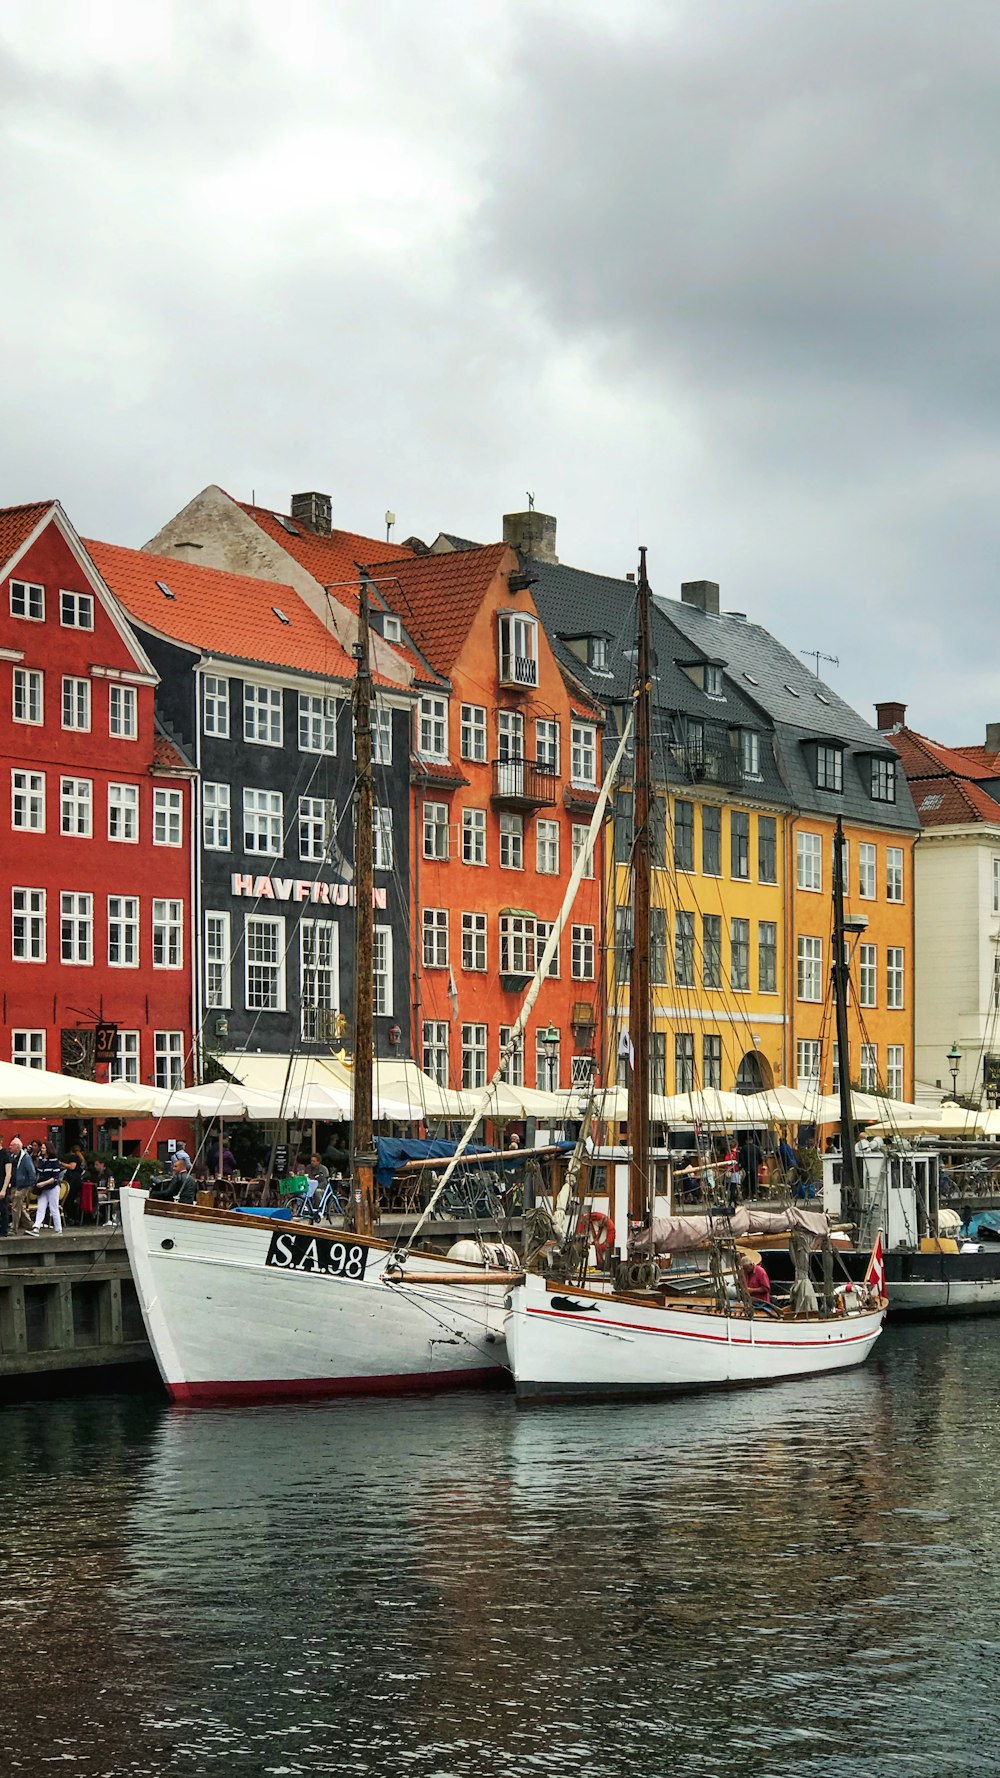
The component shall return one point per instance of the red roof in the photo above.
(945, 781)
(17, 524)
(439, 597)
(983, 756)
(231, 614)
(330, 560)
(924, 758)
(167, 756)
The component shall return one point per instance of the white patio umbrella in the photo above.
(28, 1092)
(707, 1106)
(779, 1105)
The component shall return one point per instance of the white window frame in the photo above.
(28, 906)
(76, 704)
(218, 963)
(315, 819)
(895, 978)
(583, 953)
(434, 1037)
(76, 799)
(319, 975)
(123, 931)
(27, 801)
(435, 938)
(27, 1047)
(432, 726)
(868, 975)
(28, 698)
(547, 848)
(474, 836)
(809, 862)
(513, 1068)
(383, 845)
(518, 648)
(518, 952)
(215, 706)
(168, 933)
(124, 1064)
(382, 969)
(381, 735)
(547, 747)
(894, 874)
(749, 753)
(809, 969)
(473, 733)
(474, 1041)
(265, 810)
(123, 814)
(869, 1067)
(264, 968)
(583, 755)
(216, 817)
(542, 930)
(436, 831)
(511, 841)
(867, 870)
(80, 607)
(894, 1070)
(578, 844)
(474, 942)
(76, 928)
(807, 1064)
(168, 817)
(829, 769)
(317, 724)
(548, 1067)
(263, 714)
(123, 713)
(23, 593)
(168, 1060)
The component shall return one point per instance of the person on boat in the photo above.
(180, 1184)
(754, 1276)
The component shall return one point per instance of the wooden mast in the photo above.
(639, 1000)
(362, 1133)
(839, 974)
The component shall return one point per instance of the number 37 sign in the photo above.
(316, 1253)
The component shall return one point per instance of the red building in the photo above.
(96, 869)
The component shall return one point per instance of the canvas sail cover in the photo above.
(681, 1234)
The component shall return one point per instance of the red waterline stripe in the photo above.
(316, 1388)
(683, 1333)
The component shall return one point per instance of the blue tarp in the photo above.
(394, 1150)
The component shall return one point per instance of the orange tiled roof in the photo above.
(438, 597)
(220, 612)
(944, 781)
(17, 524)
(982, 756)
(168, 756)
(924, 758)
(329, 560)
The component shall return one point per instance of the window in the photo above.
(315, 819)
(125, 1062)
(435, 938)
(474, 941)
(547, 744)
(473, 1056)
(894, 873)
(713, 682)
(510, 740)
(767, 848)
(512, 1070)
(76, 703)
(27, 600)
(684, 949)
(810, 969)
(579, 838)
(582, 953)
(122, 713)
(123, 931)
(76, 930)
(473, 732)
(694, 732)
(215, 817)
(317, 724)
(767, 957)
(894, 1071)
(810, 861)
(263, 818)
(168, 817)
(683, 835)
(27, 695)
(518, 649)
(123, 812)
(435, 1050)
(215, 706)
(657, 1061)
(623, 944)
(383, 845)
(392, 629)
(436, 830)
(868, 975)
(807, 1064)
(684, 1062)
(624, 826)
(547, 848)
(218, 961)
(546, 1064)
(168, 934)
(511, 842)
(319, 975)
(473, 836)
(836, 1067)
(739, 971)
(27, 1049)
(711, 840)
(262, 714)
(846, 864)
(711, 950)
(711, 1060)
(749, 753)
(869, 1068)
(28, 925)
(168, 1060)
(76, 611)
(76, 807)
(583, 754)
(517, 944)
(432, 728)
(383, 971)
(658, 940)
(867, 857)
(894, 975)
(996, 885)
(829, 768)
(883, 780)
(381, 736)
(543, 929)
(27, 801)
(597, 654)
(264, 962)
(739, 844)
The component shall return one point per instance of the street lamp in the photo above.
(549, 1040)
(954, 1063)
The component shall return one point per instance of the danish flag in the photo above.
(875, 1275)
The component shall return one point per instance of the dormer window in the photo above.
(518, 649)
(830, 769)
(713, 682)
(597, 654)
(883, 780)
(749, 753)
(392, 629)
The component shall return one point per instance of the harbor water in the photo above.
(800, 1580)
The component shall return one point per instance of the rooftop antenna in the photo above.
(817, 655)
(390, 520)
(531, 502)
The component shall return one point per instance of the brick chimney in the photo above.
(534, 533)
(889, 717)
(314, 511)
(702, 593)
(993, 736)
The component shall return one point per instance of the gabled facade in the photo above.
(95, 878)
(258, 689)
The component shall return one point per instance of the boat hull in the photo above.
(241, 1309)
(920, 1284)
(607, 1347)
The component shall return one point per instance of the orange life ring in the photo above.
(599, 1229)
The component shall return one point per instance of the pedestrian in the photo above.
(6, 1170)
(75, 1169)
(49, 1179)
(22, 1185)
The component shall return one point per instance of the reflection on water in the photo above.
(800, 1580)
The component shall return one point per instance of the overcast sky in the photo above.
(718, 277)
